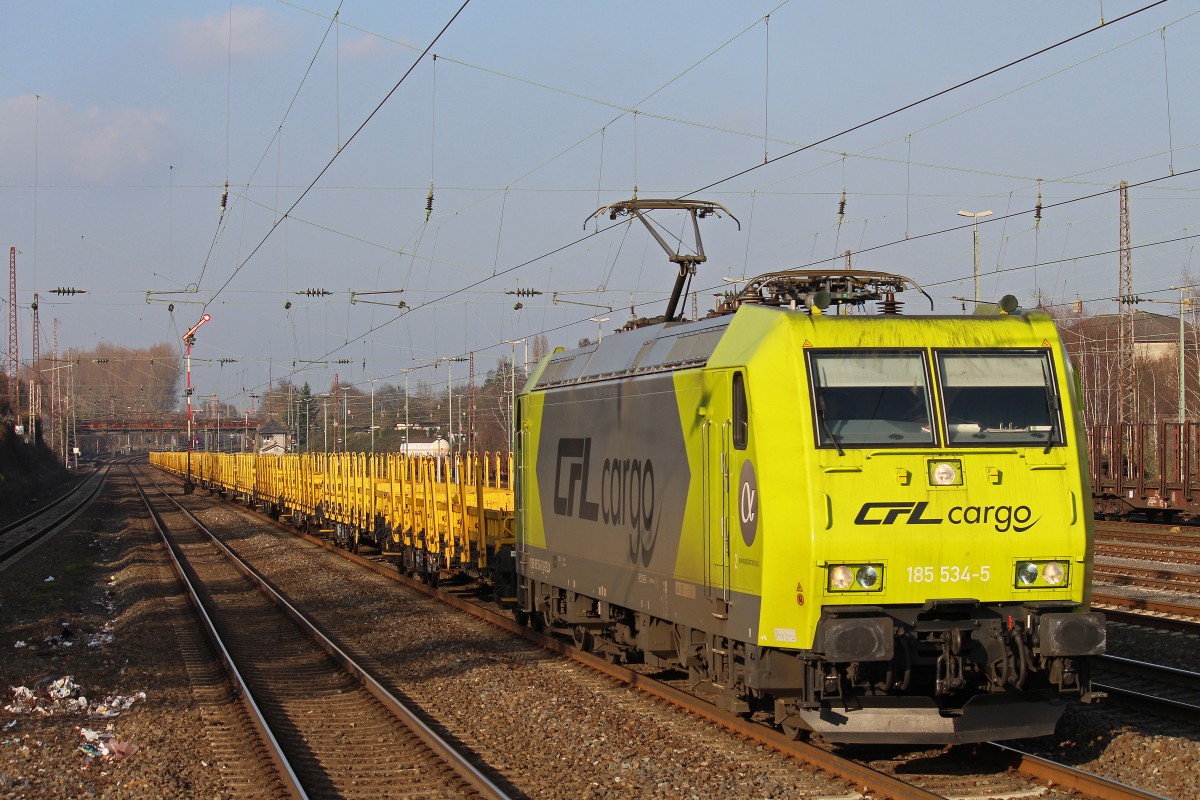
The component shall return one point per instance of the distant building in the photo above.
(1155, 336)
(272, 438)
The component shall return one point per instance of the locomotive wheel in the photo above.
(584, 639)
(793, 732)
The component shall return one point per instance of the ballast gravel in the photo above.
(554, 729)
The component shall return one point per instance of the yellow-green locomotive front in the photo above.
(910, 493)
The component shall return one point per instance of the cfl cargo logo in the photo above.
(1002, 518)
(627, 497)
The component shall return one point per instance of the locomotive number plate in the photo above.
(949, 574)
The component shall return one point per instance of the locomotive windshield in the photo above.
(870, 398)
(999, 397)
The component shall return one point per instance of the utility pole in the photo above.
(471, 407)
(189, 339)
(512, 396)
(35, 383)
(56, 438)
(14, 359)
(1127, 400)
(1185, 303)
(406, 423)
(450, 400)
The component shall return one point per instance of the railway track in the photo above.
(1150, 613)
(1162, 690)
(1169, 580)
(322, 717)
(19, 536)
(1010, 773)
(1166, 544)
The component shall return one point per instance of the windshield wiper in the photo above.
(1052, 406)
(825, 423)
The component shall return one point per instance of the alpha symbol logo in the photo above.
(748, 503)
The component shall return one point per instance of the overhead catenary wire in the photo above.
(925, 99)
(1167, 96)
(275, 140)
(329, 163)
(498, 272)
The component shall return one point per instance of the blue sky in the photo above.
(123, 121)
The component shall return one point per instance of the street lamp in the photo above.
(975, 218)
(189, 339)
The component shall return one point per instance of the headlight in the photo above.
(855, 578)
(840, 577)
(1049, 573)
(867, 576)
(945, 473)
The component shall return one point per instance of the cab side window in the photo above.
(741, 413)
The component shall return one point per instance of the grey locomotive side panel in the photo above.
(613, 475)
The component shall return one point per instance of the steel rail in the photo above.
(1187, 583)
(287, 775)
(1133, 611)
(472, 775)
(81, 491)
(1170, 676)
(1162, 553)
(1063, 776)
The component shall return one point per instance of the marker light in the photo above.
(840, 577)
(1027, 572)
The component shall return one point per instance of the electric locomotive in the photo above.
(873, 527)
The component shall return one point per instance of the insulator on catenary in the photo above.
(315, 292)
(65, 290)
(429, 202)
(224, 198)
(842, 207)
(1037, 210)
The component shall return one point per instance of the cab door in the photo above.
(725, 433)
